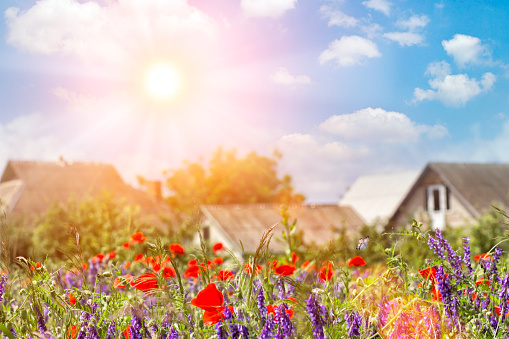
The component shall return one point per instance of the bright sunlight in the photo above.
(162, 81)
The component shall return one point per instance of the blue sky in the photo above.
(341, 88)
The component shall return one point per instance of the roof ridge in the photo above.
(57, 162)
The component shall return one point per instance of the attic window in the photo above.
(206, 233)
(436, 193)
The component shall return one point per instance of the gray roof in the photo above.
(476, 185)
(377, 197)
(247, 223)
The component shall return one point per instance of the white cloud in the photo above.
(111, 32)
(412, 36)
(414, 22)
(372, 31)
(377, 124)
(452, 90)
(405, 38)
(267, 8)
(282, 76)
(338, 18)
(383, 6)
(465, 49)
(26, 137)
(349, 51)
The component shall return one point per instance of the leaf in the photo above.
(6, 331)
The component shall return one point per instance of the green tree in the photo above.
(230, 180)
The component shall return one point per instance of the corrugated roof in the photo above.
(376, 197)
(476, 185)
(247, 223)
(49, 182)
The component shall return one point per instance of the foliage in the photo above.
(99, 222)
(230, 180)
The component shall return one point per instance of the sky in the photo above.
(342, 88)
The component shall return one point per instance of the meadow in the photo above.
(147, 288)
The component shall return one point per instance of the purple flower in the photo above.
(111, 331)
(3, 282)
(262, 308)
(268, 328)
(244, 332)
(316, 319)
(136, 327)
(284, 320)
(220, 331)
(173, 334)
(40, 320)
(353, 323)
(466, 255)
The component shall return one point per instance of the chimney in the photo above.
(154, 188)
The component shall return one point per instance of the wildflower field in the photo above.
(146, 288)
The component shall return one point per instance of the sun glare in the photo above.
(161, 81)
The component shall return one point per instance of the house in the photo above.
(29, 188)
(236, 224)
(375, 198)
(454, 194)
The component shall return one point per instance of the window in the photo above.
(206, 233)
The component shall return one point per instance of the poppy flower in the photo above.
(127, 264)
(126, 245)
(218, 261)
(72, 299)
(209, 299)
(37, 265)
(169, 272)
(249, 269)
(84, 265)
(138, 238)
(138, 257)
(272, 264)
(271, 309)
(326, 272)
(177, 249)
(117, 283)
(295, 258)
(147, 283)
(127, 332)
(192, 262)
(429, 274)
(212, 317)
(112, 254)
(218, 247)
(484, 256)
(192, 272)
(483, 281)
(307, 266)
(98, 257)
(156, 267)
(356, 261)
(73, 331)
(285, 270)
(225, 275)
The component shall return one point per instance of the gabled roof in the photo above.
(476, 185)
(247, 223)
(45, 183)
(377, 197)
(10, 192)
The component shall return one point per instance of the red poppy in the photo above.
(84, 265)
(177, 249)
(112, 254)
(37, 265)
(212, 317)
(295, 258)
(98, 257)
(249, 269)
(138, 257)
(484, 256)
(209, 299)
(192, 262)
(483, 281)
(147, 283)
(218, 261)
(138, 238)
(326, 272)
(117, 283)
(192, 272)
(73, 331)
(156, 267)
(271, 309)
(272, 264)
(429, 274)
(127, 332)
(218, 247)
(72, 299)
(127, 264)
(225, 275)
(126, 245)
(307, 266)
(169, 272)
(356, 261)
(285, 270)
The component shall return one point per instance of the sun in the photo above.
(162, 81)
